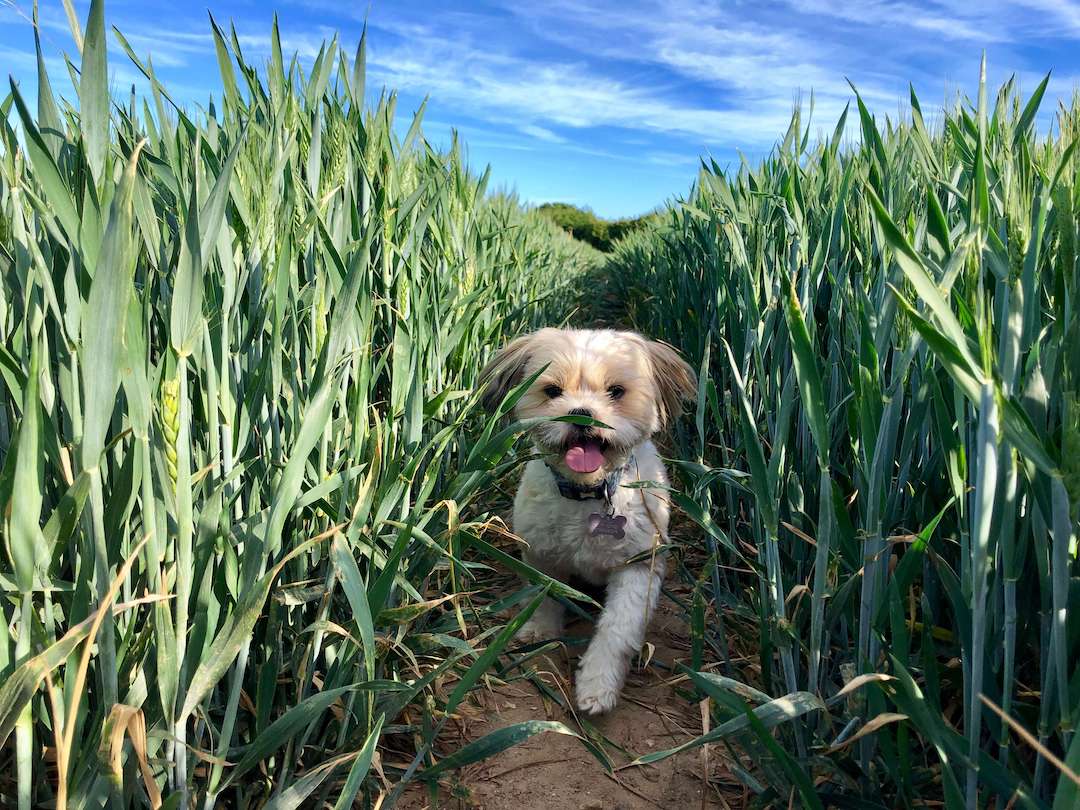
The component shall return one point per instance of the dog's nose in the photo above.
(580, 412)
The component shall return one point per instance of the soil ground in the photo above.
(555, 772)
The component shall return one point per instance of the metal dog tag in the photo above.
(612, 526)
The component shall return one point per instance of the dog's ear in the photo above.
(675, 380)
(505, 370)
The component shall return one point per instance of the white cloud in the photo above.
(542, 134)
(1065, 16)
(536, 96)
(170, 49)
(881, 14)
(757, 72)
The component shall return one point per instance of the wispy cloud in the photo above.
(1060, 17)
(746, 77)
(169, 49)
(508, 90)
(951, 24)
(569, 92)
(540, 133)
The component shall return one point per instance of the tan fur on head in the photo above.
(675, 380)
(632, 385)
(505, 370)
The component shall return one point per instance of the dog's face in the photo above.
(631, 384)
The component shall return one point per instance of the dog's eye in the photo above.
(553, 391)
(616, 391)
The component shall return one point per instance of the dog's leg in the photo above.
(547, 621)
(620, 633)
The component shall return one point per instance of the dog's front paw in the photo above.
(600, 677)
(595, 698)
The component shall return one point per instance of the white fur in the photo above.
(560, 546)
(632, 386)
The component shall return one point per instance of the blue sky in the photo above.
(604, 103)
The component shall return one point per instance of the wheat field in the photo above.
(249, 492)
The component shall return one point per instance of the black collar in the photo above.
(604, 490)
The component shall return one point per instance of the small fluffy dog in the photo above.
(572, 506)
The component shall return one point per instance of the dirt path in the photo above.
(555, 772)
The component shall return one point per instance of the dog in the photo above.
(573, 506)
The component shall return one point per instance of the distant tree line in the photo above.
(583, 224)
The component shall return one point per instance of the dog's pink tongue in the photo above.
(585, 457)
